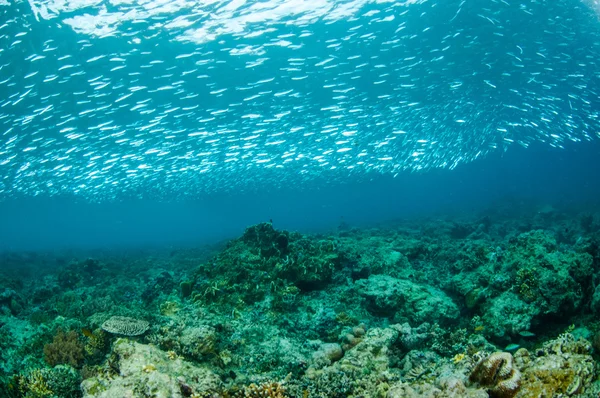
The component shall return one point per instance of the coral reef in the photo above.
(434, 308)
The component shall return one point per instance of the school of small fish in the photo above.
(175, 98)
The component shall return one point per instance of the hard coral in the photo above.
(96, 345)
(264, 390)
(125, 326)
(64, 349)
(61, 381)
(499, 374)
(34, 384)
(562, 367)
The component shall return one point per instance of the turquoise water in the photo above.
(299, 199)
(172, 99)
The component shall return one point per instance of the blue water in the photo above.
(143, 122)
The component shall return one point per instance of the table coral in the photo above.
(125, 326)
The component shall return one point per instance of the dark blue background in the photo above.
(567, 178)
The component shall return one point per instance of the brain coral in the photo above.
(499, 374)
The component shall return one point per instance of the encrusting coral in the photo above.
(499, 374)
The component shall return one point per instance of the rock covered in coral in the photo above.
(451, 388)
(274, 303)
(144, 370)
(498, 374)
(359, 373)
(562, 367)
(373, 351)
(529, 277)
(197, 341)
(595, 303)
(429, 376)
(406, 301)
(508, 314)
(413, 337)
(327, 354)
(10, 302)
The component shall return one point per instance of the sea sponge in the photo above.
(499, 374)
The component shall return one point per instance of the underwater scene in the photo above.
(299, 198)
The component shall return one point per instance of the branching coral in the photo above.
(264, 390)
(34, 384)
(61, 381)
(498, 373)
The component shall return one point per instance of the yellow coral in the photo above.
(96, 341)
(264, 390)
(34, 384)
(527, 283)
(458, 358)
(169, 308)
(149, 368)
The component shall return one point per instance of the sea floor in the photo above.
(482, 305)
